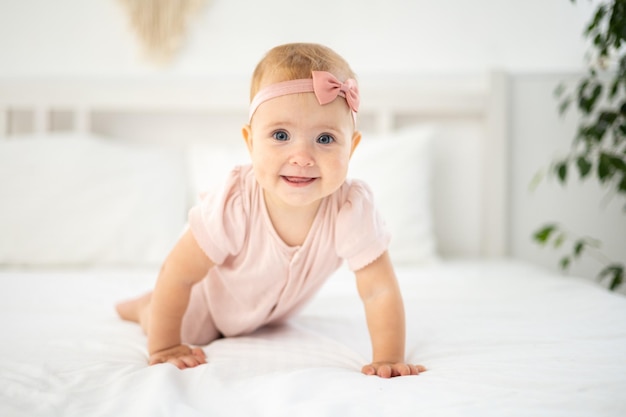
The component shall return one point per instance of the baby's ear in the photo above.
(356, 139)
(246, 132)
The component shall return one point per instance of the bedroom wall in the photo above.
(93, 37)
(536, 41)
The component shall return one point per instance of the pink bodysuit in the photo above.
(258, 279)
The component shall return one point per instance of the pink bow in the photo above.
(327, 87)
(324, 84)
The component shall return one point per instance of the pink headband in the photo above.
(324, 84)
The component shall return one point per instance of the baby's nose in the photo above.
(302, 156)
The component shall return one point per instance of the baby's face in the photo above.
(300, 150)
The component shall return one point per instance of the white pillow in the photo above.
(71, 200)
(397, 167)
(209, 166)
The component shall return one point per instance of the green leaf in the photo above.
(565, 262)
(599, 129)
(542, 235)
(621, 187)
(564, 106)
(597, 92)
(597, 18)
(578, 247)
(584, 166)
(581, 95)
(610, 164)
(618, 279)
(561, 170)
(615, 272)
(605, 168)
(584, 105)
(607, 117)
(559, 90)
(613, 88)
(558, 242)
(616, 22)
(618, 163)
(591, 134)
(537, 178)
(598, 40)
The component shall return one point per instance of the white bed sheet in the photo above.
(500, 338)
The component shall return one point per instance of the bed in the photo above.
(96, 177)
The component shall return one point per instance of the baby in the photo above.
(257, 251)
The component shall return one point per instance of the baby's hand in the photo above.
(182, 356)
(389, 369)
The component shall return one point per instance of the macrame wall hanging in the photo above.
(161, 25)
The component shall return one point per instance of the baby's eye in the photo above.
(325, 139)
(280, 135)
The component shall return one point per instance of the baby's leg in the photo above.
(136, 310)
(197, 327)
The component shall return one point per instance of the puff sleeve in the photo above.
(360, 233)
(219, 220)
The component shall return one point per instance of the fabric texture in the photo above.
(499, 338)
(258, 278)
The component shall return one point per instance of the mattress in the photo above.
(499, 338)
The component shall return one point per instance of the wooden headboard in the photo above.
(469, 193)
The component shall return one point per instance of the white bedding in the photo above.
(500, 338)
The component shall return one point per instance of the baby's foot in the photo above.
(131, 310)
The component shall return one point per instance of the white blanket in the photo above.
(499, 339)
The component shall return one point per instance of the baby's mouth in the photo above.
(299, 180)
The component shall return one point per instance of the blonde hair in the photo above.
(295, 61)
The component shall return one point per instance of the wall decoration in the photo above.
(161, 25)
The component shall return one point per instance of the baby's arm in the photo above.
(185, 265)
(384, 311)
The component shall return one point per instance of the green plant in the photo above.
(598, 149)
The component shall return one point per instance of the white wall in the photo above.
(93, 37)
(527, 38)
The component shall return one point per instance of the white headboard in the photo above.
(470, 159)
